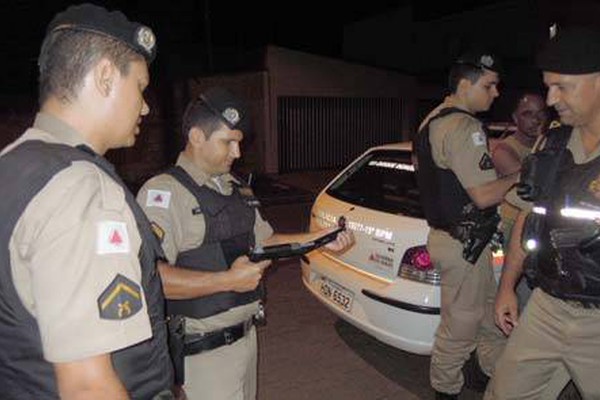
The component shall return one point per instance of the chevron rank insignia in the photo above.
(120, 300)
(486, 162)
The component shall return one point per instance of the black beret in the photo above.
(230, 109)
(571, 51)
(92, 18)
(480, 60)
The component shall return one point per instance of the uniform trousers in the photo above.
(554, 341)
(467, 320)
(225, 373)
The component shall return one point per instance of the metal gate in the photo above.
(328, 132)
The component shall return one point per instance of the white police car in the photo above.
(385, 284)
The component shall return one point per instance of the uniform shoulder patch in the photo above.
(112, 238)
(486, 162)
(478, 139)
(158, 198)
(158, 231)
(121, 299)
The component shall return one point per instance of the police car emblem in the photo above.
(121, 299)
(231, 115)
(145, 38)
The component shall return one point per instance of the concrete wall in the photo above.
(294, 73)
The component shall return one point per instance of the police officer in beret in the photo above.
(460, 191)
(207, 221)
(558, 335)
(81, 307)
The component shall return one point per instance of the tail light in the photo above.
(417, 266)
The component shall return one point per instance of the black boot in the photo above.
(445, 396)
(475, 378)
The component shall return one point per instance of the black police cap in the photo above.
(95, 19)
(571, 51)
(230, 109)
(480, 60)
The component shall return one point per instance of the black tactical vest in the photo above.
(144, 368)
(442, 195)
(565, 267)
(229, 234)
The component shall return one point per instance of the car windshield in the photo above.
(383, 180)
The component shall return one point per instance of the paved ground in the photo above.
(307, 353)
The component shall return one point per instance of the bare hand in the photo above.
(506, 311)
(343, 241)
(244, 275)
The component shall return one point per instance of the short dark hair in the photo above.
(197, 114)
(68, 55)
(463, 71)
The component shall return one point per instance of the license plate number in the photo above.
(337, 294)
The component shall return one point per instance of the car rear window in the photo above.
(383, 180)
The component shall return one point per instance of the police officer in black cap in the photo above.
(558, 336)
(207, 222)
(460, 190)
(81, 306)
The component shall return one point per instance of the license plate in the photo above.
(337, 294)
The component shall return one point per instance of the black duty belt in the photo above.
(198, 342)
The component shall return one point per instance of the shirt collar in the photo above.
(57, 128)
(450, 101)
(575, 144)
(221, 183)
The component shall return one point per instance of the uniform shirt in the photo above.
(458, 142)
(168, 205)
(73, 239)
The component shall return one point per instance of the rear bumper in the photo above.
(403, 314)
(401, 304)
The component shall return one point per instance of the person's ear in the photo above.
(104, 76)
(196, 136)
(464, 85)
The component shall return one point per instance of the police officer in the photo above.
(558, 335)
(455, 172)
(531, 120)
(207, 222)
(81, 308)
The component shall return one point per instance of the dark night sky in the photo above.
(310, 25)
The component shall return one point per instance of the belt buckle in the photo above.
(228, 337)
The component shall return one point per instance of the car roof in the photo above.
(393, 146)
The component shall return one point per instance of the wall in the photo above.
(294, 73)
